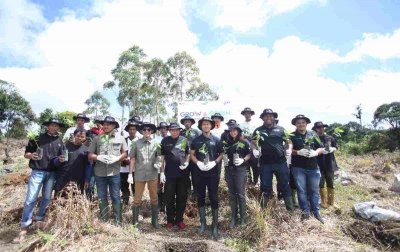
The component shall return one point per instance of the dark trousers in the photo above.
(281, 172)
(292, 182)
(255, 169)
(90, 190)
(236, 179)
(125, 186)
(211, 183)
(191, 180)
(175, 198)
(160, 193)
(328, 177)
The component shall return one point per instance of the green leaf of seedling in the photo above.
(203, 149)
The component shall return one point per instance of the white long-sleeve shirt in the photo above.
(218, 132)
(71, 130)
(249, 127)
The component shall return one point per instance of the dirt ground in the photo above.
(343, 231)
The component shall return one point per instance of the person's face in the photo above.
(132, 131)
(163, 131)
(108, 127)
(247, 115)
(206, 126)
(98, 124)
(80, 122)
(301, 125)
(53, 128)
(80, 138)
(234, 133)
(146, 132)
(217, 120)
(320, 130)
(174, 133)
(187, 123)
(268, 119)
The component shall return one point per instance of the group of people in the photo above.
(183, 162)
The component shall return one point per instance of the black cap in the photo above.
(148, 125)
(98, 118)
(268, 111)
(298, 117)
(162, 125)
(217, 115)
(81, 116)
(207, 119)
(231, 121)
(54, 120)
(247, 109)
(174, 125)
(187, 118)
(319, 124)
(135, 118)
(110, 119)
(235, 126)
(132, 123)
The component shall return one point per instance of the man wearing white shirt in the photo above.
(248, 127)
(131, 128)
(219, 126)
(80, 119)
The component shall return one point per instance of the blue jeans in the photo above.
(114, 185)
(39, 180)
(307, 179)
(281, 172)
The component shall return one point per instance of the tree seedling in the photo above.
(309, 141)
(204, 151)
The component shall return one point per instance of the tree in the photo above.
(358, 113)
(201, 92)
(389, 113)
(67, 118)
(17, 129)
(46, 115)
(97, 103)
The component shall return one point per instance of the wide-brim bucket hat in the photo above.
(319, 124)
(298, 117)
(110, 119)
(187, 118)
(268, 111)
(54, 120)
(206, 119)
(81, 116)
(247, 109)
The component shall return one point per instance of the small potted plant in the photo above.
(204, 151)
(336, 133)
(286, 138)
(105, 140)
(257, 137)
(310, 140)
(32, 136)
(238, 146)
(182, 155)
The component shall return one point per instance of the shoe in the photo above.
(322, 193)
(234, 209)
(289, 204)
(117, 208)
(181, 225)
(305, 216)
(202, 213)
(154, 216)
(169, 225)
(318, 217)
(331, 198)
(242, 211)
(215, 223)
(103, 210)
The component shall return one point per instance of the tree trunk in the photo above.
(122, 120)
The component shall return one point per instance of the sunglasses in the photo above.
(146, 129)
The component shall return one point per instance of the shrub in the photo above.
(354, 148)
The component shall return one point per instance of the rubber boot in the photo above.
(215, 223)
(289, 204)
(242, 211)
(264, 202)
(103, 210)
(135, 213)
(202, 213)
(324, 203)
(331, 198)
(117, 208)
(154, 216)
(234, 210)
(294, 198)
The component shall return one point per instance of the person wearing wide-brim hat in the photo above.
(238, 154)
(40, 152)
(327, 166)
(108, 150)
(248, 126)
(219, 127)
(81, 119)
(269, 139)
(224, 135)
(132, 129)
(163, 129)
(207, 152)
(175, 161)
(306, 148)
(145, 161)
(135, 118)
(190, 134)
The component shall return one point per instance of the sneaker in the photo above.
(169, 225)
(318, 217)
(181, 225)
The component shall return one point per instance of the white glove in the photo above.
(162, 178)
(210, 165)
(332, 149)
(325, 152)
(312, 153)
(157, 165)
(184, 166)
(256, 153)
(130, 179)
(102, 158)
(303, 152)
(239, 161)
(112, 159)
(201, 166)
(288, 152)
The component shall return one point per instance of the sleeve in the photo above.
(193, 145)
(132, 154)
(163, 148)
(31, 147)
(93, 145)
(66, 135)
(220, 147)
(246, 149)
(124, 145)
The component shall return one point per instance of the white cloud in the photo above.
(244, 15)
(380, 46)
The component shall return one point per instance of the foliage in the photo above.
(97, 103)
(201, 92)
(389, 113)
(33, 136)
(67, 118)
(358, 113)
(337, 131)
(287, 135)
(183, 145)
(237, 244)
(258, 136)
(203, 149)
(17, 129)
(46, 115)
(239, 145)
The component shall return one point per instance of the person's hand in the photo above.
(112, 159)
(61, 159)
(332, 149)
(102, 158)
(239, 161)
(312, 153)
(210, 165)
(130, 179)
(256, 153)
(201, 166)
(162, 178)
(34, 156)
(303, 152)
(86, 185)
(288, 152)
(157, 165)
(324, 151)
(184, 166)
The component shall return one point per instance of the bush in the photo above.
(377, 141)
(354, 148)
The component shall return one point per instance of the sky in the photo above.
(320, 58)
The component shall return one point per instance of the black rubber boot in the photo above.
(289, 204)
(234, 211)
(215, 223)
(154, 216)
(294, 198)
(264, 202)
(103, 210)
(242, 211)
(202, 213)
(117, 208)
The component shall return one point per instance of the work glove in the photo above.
(201, 166)
(157, 165)
(288, 152)
(102, 158)
(210, 165)
(312, 153)
(162, 178)
(303, 152)
(130, 179)
(325, 152)
(332, 149)
(112, 159)
(184, 166)
(256, 153)
(239, 161)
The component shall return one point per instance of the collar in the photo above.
(55, 135)
(273, 126)
(211, 135)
